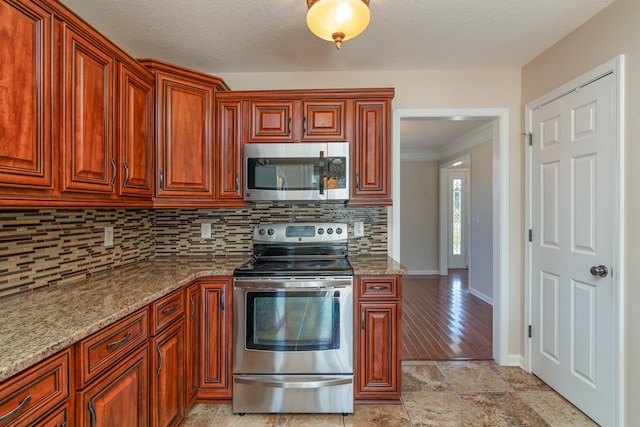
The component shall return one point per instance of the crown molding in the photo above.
(477, 136)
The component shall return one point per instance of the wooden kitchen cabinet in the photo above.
(167, 346)
(297, 120)
(229, 118)
(185, 154)
(215, 338)
(87, 151)
(192, 342)
(167, 391)
(272, 121)
(371, 172)
(119, 397)
(378, 332)
(112, 374)
(40, 395)
(26, 71)
(135, 127)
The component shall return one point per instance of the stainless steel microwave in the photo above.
(296, 171)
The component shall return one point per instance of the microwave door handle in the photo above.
(321, 172)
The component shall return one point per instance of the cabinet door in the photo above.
(33, 393)
(192, 344)
(120, 396)
(272, 121)
(324, 120)
(372, 154)
(229, 153)
(167, 377)
(88, 162)
(377, 372)
(136, 133)
(185, 124)
(215, 374)
(26, 100)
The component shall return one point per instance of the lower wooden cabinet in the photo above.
(215, 356)
(40, 395)
(167, 377)
(119, 397)
(192, 342)
(378, 338)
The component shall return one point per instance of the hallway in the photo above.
(441, 320)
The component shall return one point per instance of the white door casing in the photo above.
(574, 211)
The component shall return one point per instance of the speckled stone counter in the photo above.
(365, 265)
(38, 324)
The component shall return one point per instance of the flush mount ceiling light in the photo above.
(337, 20)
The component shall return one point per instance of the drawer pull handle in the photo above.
(379, 288)
(25, 401)
(170, 309)
(193, 307)
(119, 342)
(92, 411)
(159, 359)
(115, 172)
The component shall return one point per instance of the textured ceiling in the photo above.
(218, 36)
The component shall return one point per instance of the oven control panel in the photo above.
(301, 232)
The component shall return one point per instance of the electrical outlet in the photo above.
(108, 236)
(358, 229)
(205, 230)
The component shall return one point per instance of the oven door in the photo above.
(293, 326)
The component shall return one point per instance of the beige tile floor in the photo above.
(456, 393)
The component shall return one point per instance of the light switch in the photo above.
(108, 236)
(358, 229)
(205, 230)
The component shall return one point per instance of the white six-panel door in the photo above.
(572, 313)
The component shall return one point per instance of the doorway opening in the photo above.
(499, 202)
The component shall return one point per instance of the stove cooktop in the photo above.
(295, 267)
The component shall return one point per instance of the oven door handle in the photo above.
(270, 382)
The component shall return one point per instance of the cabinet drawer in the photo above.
(165, 310)
(378, 287)
(103, 349)
(31, 394)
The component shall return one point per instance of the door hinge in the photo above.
(530, 331)
(530, 235)
(529, 136)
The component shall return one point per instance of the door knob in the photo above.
(599, 271)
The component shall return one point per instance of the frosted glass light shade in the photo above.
(337, 20)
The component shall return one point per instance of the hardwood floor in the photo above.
(441, 320)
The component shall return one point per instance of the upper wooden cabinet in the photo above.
(136, 121)
(272, 121)
(26, 70)
(372, 153)
(184, 131)
(229, 119)
(325, 120)
(88, 151)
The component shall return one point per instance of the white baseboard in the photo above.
(515, 360)
(482, 296)
(423, 273)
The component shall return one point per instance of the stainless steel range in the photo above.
(293, 321)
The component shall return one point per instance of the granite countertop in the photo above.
(41, 323)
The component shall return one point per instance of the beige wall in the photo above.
(419, 215)
(480, 218)
(439, 89)
(614, 31)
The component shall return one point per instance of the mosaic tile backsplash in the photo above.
(44, 247)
